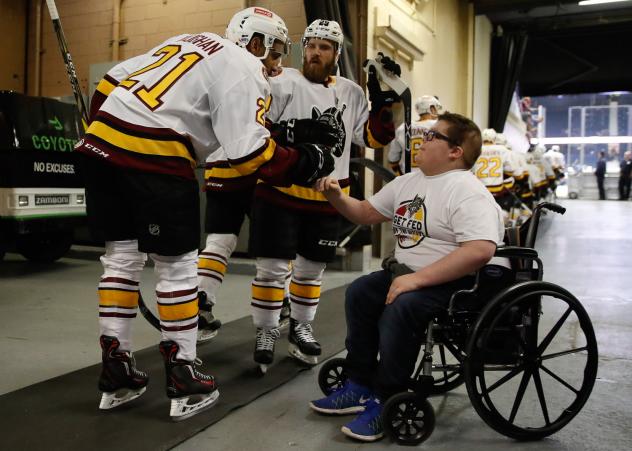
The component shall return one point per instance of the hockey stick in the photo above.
(83, 111)
(70, 67)
(403, 91)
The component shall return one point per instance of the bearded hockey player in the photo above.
(297, 223)
(229, 193)
(428, 108)
(155, 117)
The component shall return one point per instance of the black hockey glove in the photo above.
(378, 97)
(299, 131)
(314, 162)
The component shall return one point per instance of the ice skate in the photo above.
(264, 347)
(208, 325)
(303, 345)
(284, 321)
(190, 391)
(120, 381)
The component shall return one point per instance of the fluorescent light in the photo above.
(584, 140)
(598, 2)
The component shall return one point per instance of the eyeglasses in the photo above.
(429, 135)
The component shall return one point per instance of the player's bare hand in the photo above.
(402, 284)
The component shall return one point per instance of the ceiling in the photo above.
(571, 48)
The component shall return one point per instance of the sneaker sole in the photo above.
(364, 438)
(347, 411)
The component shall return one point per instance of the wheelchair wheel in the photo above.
(332, 375)
(448, 372)
(408, 418)
(532, 360)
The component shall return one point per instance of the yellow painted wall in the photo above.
(144, 24)
(440, 29)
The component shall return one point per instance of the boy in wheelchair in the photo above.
(447, 226)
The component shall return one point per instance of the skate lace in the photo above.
(266, 338)
(198, 362)
(134, 370)
(304, 332)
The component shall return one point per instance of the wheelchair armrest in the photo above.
(516, 252)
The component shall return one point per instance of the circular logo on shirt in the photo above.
(409, 223)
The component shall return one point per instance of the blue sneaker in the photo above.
(350, 398)
(368, 425)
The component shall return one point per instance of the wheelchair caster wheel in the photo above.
(408, 418)
(332, 375)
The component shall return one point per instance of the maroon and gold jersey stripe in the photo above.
(251, 163)
(304, 290)
(179, 311)
(268, 294)
(109, 297)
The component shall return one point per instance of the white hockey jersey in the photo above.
(556, 159)
(167, 110)
(493, 167)
(339, 101)
(396, 151)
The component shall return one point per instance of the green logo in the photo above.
(56, 123)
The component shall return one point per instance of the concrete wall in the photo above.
(12, 50)
(143, 24)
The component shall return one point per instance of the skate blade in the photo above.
(297, 354)
(187, 406)
(206, 335)
(109, 400)
(263, 368)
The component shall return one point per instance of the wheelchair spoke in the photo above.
(561, 353)
(523, 387)
(540, 391)
(502, 380)
(549, 337)
(443, 361)
(559, 379)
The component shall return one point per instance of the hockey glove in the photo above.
(314, 162)
(379, 98)
(299, 131)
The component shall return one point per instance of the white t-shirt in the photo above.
(433, 215)
(398, 145)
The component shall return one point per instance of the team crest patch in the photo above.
(333, 116)
(154, 229)
(409, 223)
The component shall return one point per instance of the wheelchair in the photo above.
(524, 348)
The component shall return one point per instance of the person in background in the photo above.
(600, 173)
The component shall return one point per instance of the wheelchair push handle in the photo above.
(551, 206)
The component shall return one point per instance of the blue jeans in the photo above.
(395, 331)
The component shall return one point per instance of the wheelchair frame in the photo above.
(470, 336)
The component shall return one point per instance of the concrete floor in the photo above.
(47, 328)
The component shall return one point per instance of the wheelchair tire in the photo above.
(513, 334)
(408, 418)
(332, 375)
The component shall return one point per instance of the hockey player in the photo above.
(156, 116)
(428, 108)
(556, 160)
(541, 175)
(493, 168)
(297, 223)
(228, 201)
